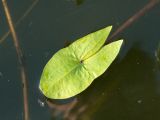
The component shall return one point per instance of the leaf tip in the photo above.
(120, 42)
(110, 27)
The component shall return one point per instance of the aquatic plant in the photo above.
(72, 69)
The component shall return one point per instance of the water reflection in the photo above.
(127, 90)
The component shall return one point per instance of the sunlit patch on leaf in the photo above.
(72, 69)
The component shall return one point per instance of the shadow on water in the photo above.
(126, 91)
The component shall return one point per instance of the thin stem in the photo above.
(134, 18)
(20, 59)
(20, 20)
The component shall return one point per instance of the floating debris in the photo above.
(42, 104)
(139, 101)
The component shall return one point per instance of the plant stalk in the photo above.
(20, 60)
(134, 18)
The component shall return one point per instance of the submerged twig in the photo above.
(20, 59)
(134, 18)
(20, 19)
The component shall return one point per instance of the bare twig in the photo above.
(20, 19)
(134, 18)
(20, 59)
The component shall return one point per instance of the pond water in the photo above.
(128, 90)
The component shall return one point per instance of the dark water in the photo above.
(128, 90)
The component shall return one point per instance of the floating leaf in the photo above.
(72, 69)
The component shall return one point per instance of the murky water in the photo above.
(128, 90)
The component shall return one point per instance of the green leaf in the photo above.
(72, 69)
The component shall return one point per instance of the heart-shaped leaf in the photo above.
(72, 69)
